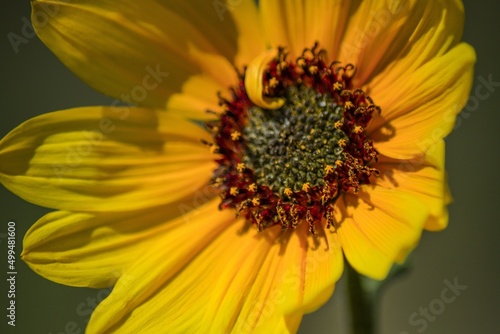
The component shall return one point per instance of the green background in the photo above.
(33, 82)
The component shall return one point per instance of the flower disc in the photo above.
(287, 161)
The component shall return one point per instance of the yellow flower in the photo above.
(160, 207)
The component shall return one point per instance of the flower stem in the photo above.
(362, 302)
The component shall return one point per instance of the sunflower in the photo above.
(259, 144)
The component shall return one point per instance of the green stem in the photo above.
(362, 303)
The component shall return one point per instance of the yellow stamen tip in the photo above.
(234, 191)
(252, 187)
(235, 135)
(273, 82)
(241, 167)
(348, 105)
(337, 86)
(357, 129)
(214, 149)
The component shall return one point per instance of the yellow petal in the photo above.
(105, 159)
(244, 281)
(299, 24)
(377, 227)
(424, 178)
(228, 24)
(91, 249)
(254, 85)
(198, 96)
(190, 298)
(140, 53)
(267, 287)
(251, 40)
(298, 276)
(324, 267)
(199, 93)
(397, 36)
(419, 108)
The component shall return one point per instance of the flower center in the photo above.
(291, 140)
(291, 146)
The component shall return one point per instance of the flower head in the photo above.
(268, 142)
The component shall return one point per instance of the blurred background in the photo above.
(33, 82)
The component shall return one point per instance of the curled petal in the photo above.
(254, 81)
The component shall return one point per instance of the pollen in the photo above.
(313, 69)
(288, 191)
(273, 82)
(337, 86)
(214, 149)
(252, 187)
(218, 182)
(329, 169)
(234, 191)
(357, 129)
(348, 105)
(240, 167)
(235, 135)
